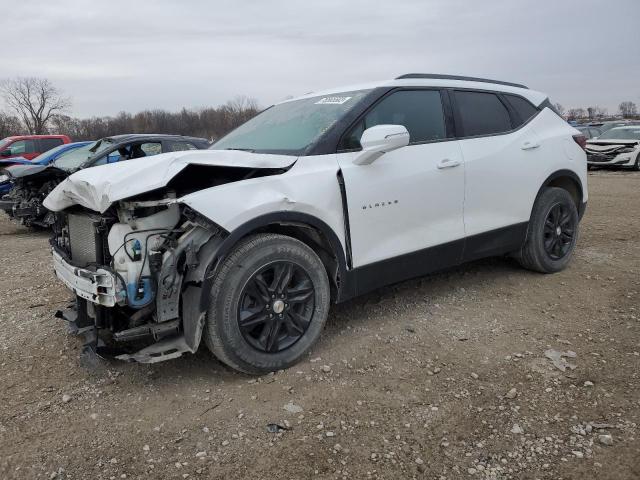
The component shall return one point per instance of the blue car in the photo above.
(43, 159)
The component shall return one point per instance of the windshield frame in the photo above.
(326, 142)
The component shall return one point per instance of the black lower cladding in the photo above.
(422, 262)
(276, 306)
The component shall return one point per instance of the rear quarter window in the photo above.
(523, 107)
(482, 113)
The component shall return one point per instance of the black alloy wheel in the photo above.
(559, 230)
(276, 306)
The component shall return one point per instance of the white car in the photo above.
(618, 147)
(312, 202)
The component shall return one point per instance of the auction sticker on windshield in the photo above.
(333, 100)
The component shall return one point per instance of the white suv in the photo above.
(314, 201)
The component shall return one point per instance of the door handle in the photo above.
(530, 145)
(448, 163)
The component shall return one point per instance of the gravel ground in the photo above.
(445, 377)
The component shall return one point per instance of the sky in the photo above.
(111, 55)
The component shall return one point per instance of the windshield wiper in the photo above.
(242, 149)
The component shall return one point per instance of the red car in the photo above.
(29, 146)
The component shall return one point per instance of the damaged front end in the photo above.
(30, 186)
(137, 271)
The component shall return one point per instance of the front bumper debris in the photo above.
(98, 286)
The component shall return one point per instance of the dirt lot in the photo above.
(441, 377)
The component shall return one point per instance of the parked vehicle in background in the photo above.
(43, 159)
(604, 126)
(588, 132)
(315, 200)
(618, 147)
(32, 183)
(29, 146)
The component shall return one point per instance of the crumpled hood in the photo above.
(19, 171)
(14, 161)
(97, 188)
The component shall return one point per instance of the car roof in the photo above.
(142, 136)
(436, 80)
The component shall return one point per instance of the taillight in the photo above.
(581, 140)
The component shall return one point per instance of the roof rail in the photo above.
(458, 77)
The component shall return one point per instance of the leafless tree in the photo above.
(35, 100)
(9, 125)
(628, 109)
(576, 113)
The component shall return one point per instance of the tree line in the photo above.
(626, 109)
(37, 107)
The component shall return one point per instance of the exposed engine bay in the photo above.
(131, 269)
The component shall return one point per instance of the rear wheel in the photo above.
(552, 232)
(269, 303)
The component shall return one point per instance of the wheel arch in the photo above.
(308, 229)
(567, 180)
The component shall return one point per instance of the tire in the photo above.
(240, 292)
(547, 249)
(636, 166)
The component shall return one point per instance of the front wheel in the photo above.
(269, 303)
(636, 166)
(552, 232)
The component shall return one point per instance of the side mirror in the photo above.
(5, 153)
(378, 140)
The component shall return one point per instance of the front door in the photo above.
(407, 205)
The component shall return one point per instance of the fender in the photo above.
(582, 205)
(197, 295)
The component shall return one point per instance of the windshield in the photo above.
(74, 159)
(621, 134)
(289, 128)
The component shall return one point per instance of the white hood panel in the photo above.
(97, 188)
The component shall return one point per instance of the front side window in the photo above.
(23, 147)
(148, 149)
(482, 113)
(419, 111)
(182, 146)
(290, 128)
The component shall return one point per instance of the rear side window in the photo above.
(523, 108)
(419, 111)
(47, 144)
(482, 113)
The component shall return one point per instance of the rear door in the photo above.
(409, 199)
(500, 149)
